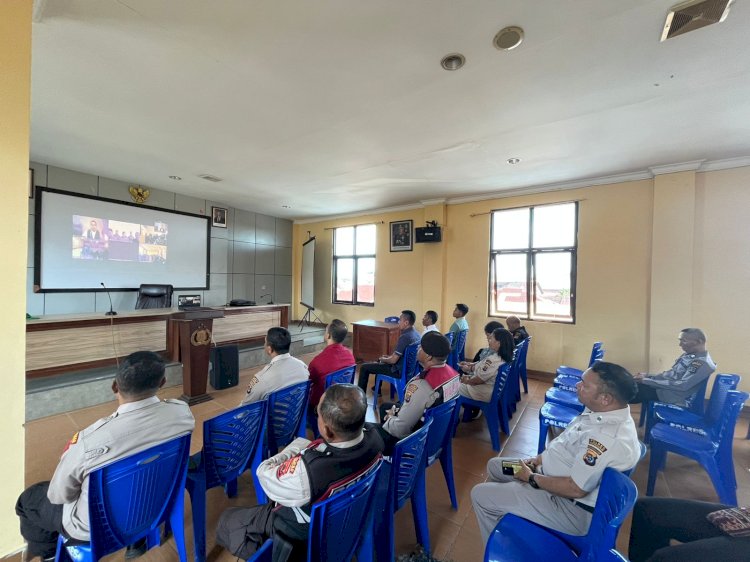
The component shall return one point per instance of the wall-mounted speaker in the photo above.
(428, 234)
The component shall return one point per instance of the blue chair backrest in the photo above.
(644, 449)
(338, 522)
(406, 462)
(502, 377)
(286, 410)
(597, 353)
(409, 362)
(345, 375)
(391, 319)
(133, 495)
(611, 556)
(229, 440)
(441, 430)
(449, 335)
(722, 432)
(617, 495)
(460, 342)
(722, 384)
(695, 402)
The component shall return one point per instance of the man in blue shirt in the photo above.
(459, 314)
(391, 364)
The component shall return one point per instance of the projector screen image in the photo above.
(95, 238)
(83, 241)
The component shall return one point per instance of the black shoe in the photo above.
(136, 550)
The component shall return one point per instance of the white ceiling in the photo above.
(339, 106)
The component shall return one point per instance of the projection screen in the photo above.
(308, 274)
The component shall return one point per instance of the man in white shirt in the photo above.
(283, 370)
(558, 489)
(429, 321)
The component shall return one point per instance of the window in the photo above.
(533, 262)
(354, 264)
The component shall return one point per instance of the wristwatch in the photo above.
(532, 481)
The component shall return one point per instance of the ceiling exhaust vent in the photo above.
(209, 177)
(694, 14)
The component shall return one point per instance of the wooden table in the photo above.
(372, 338)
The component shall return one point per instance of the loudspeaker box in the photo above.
(225, 366)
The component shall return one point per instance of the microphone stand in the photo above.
(111, 309)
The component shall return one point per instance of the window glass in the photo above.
(344, 241)
(366, 239)
(366, 280)
(344, 279)
(510, 229)
(510, 284)
(552, 272)
(554, 226)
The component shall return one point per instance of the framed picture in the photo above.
(31, 183)
(219, 217)
(401, 232)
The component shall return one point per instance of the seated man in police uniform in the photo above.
(141, 421)
(283, 370)
(303, 473)
(680, 382)
(437, 383)
(558, 488)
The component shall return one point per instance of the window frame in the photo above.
(355, 257)
(531, 253)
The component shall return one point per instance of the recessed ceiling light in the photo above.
(285, 207)
(513, 160)
(175, 178)
(454, 61)
(508, 38)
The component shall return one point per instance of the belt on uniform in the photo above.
(583, 506)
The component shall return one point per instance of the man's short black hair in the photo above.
(492, 325)
(140, 373)
(696, 333)
(337, 330)
(343, 408)
(433, 316)
(616, 380)
(410, 316)
(279, 339)
(463, 308)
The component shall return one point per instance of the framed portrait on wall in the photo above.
(219, 217)
(401, 236)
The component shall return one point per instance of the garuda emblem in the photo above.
(139, 194)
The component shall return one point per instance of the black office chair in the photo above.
(154, 296)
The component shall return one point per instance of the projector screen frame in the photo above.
(311, 272)
(38, 194)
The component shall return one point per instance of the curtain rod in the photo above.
(350, 225)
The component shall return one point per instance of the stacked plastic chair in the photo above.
(713, 450)
(522, 366)
(458, 346)
(517, 540)
(597, 354)
(340, 526)
(401, 480)
(408, 370)
(440, 442)
(287, 412)
(682, 418)
(345, 375)
(496, 410)
(232, 443)
(553, 415)
(129, 500)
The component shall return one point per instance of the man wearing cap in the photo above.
(436, 384)
(558, 488)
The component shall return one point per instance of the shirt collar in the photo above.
(130, 406)
(614, 416)
(346, 444)
(279, 357)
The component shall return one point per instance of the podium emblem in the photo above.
(201, 336)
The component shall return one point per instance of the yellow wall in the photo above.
(15, 69)
(655, 256)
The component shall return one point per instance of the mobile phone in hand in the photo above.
(511, 467)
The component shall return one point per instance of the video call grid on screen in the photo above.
(83, 241)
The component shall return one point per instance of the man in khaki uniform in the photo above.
(141, 421)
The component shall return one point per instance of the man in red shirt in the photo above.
(334, 357)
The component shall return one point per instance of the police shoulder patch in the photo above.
(697, 363)
(288, 467)
(73, 441)
(253, 382)
(594, 450)
(411, 388)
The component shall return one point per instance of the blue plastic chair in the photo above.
(458, 346)
(713, 451)
(287, 412)
(513, 392)
(553, 415)
(230, 440)
(517, 540)
(597, 354)
(340, 525)
(130, 498)
(682, 418)
(440, 442)
(408, 369)
(524, 351)
(567, 398)
(391, 319)
(496, 410)
(695, 403)
(342, 376)
(402, 479)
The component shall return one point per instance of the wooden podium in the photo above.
(192, 328)
(373, 338)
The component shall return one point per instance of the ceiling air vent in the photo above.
(694, 14)
(209, 177)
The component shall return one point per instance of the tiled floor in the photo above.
(454, 534)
